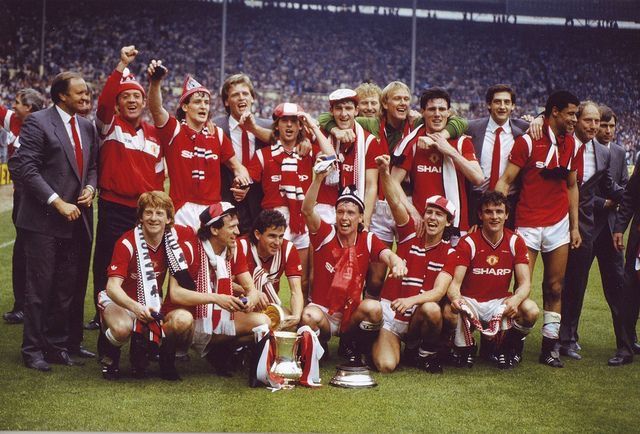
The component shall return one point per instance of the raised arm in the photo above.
(392, 191)
(311, 217)
(107, 98)
(158, 113)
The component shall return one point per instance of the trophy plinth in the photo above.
(353, 375)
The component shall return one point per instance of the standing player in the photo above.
(437, 166)
(225, 314)
(193, 150)
(410, 305)
(27, 101)
(130, 163)
(285, 175)
(248, 134)
(342, 254)
(547, 212)
(269, 256)
(486, 261)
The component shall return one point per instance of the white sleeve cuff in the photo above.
(53, 197)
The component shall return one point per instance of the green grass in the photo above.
(584, 396)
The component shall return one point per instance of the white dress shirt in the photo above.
(506, 144)
(235, 134)
(66, 120)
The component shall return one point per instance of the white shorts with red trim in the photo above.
(546, 238)
(104, 300)
(326, 212)
(382, 222)
(334, 320)
(189, 215)
(483, 310)
(391, 323)
(300, 241)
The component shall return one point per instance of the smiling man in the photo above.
(194, 149)
(130, 162)
(547, 212)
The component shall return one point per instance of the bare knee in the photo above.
(529, 312)
(385, 364)
(180, 322)
(372, 310)
(311, 316)
(431, 313)
(121, 328)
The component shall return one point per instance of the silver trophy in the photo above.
(353, 376)
(287, 364)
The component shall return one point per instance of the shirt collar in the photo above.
(233, 123)
(493, 126)
(66, 117)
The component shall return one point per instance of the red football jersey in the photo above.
(125, 265)
(267, 169)
(490, 267)
(130, 159)
(289, 264)
(194, 160)
(543, 202)
(423, 264)
(328, 251)
(10, 122)
(329, 194)
(425, 169)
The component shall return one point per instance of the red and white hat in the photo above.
(341, 95)
(443, 203)
(215, 212)
(286, 109)
(350, 194)
(128, 82)
(190, 87)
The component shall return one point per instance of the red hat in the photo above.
(190, 87)
(215, 212)
(128, 82)
(341, 95)
(286, 109)
(443, 203)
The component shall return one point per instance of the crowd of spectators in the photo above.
(302, 56)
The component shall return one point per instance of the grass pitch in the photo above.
(584, 396)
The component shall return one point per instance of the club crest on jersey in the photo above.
(434, 158)
(492, 260)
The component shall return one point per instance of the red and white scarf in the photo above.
(469, 322)
(345, 293)
(211, 318)
(290, 186)
(361, 145)
(263, 279)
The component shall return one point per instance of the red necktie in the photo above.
(76, 143)
(246, 156)
(495, 161)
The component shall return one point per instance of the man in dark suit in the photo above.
(247, 134)
(493, 149)
(629, 208)
(610, 259)
(56, 167)
(593, 173)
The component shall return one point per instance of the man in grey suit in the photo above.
(593, 175)
(610, 259)
(57, 169)
(248, 134)
(493, 149)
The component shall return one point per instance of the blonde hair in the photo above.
(368, 90)
(156, 199)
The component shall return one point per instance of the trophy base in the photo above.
(353, 376)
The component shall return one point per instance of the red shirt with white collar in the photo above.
(10, 122)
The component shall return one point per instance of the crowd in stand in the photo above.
(303, 64)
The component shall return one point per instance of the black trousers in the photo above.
(113, 221)
(18, 271)
(575, 285)
(52, 266)
(76, 311)
(631, 292)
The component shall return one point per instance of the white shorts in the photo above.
(189, 215)
(300, 241)
(382, 222)
(546, 238)
(334, 320)
(326, 212)
(391, 323)
(483, 310)
(104, 300)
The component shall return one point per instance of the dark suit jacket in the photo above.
(606, 217)
(250, 207)
(630, 205)
(45, 164)
(477, 129)
(600, 181)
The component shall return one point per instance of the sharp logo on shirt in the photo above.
(113, 267)
(492, 271)
(428, 169)
(189, 155)
(329, 267)
(539, 164)
(276, 178)
(492, 260)
(347, 167)
(303, 177)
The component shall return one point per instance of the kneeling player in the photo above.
(410, 305)
(479, 292)
(269, 256)
(131, 303)
(340, 262)
(224, 317)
